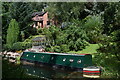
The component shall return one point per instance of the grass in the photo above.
(92, 48)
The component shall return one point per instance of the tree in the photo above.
(65, 12)
(94, 27)
(12, 32)
(76, 36)
(21, 11)
(5, 20)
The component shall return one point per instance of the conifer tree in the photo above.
(12, 32)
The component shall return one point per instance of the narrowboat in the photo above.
(60, 59)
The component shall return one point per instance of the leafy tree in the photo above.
(109, 50)
(21, 11)
(12, 32)
(5, 20)
(76, 38)
(111, 22)
(65, 12)
(73, 36)
(21, 45)
(94, 27)
(37, 6)
(51, 34)
(64, 48)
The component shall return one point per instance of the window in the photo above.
(42, 57)
(79, 61)
(34, 71)
(64, 59)
(52, 58)
(34, 56)
(71, 60)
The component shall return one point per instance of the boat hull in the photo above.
(67, 60)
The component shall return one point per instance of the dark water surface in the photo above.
(41, 71)
(48, 72)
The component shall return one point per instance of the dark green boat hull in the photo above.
(75, 61)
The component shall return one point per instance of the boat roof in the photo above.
(60, 53)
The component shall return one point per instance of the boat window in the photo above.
(42, 57)
(34, 71)
(34, 56)
(52, 58)
(64, 59)
(71, 60)
(27, 55)
(79, 61)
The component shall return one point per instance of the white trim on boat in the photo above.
(91, 76)
(57, 53)
(91, 69)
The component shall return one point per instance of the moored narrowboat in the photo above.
(61, 59)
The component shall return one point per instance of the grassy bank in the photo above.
(92, 48)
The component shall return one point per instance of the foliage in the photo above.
(109, 63)
(12, 32)
(7, 47)
(111, 22)
(51, 34)
(64, 48)
(59, 13)
(76, 37)
(5, 20)
(17, 46)
(37, 6)
(93, 26)
(21, 11)
(21, 45)
(73, 36)
(80, 24)
(57, 49)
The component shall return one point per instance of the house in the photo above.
(40, 19)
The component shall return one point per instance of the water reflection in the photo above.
(48, 72)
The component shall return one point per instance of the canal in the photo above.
(48, 72)
(11, 70)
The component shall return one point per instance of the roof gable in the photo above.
(38, 13)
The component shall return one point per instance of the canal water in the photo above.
(42, 71)
(48, 72)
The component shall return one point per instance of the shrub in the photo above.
(7, 47)
(21, 45)
(64, 48)
(17, 46)
(57, 49)
(53, 49)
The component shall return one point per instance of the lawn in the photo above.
(92, 48)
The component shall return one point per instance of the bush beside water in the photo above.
(110, 65)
